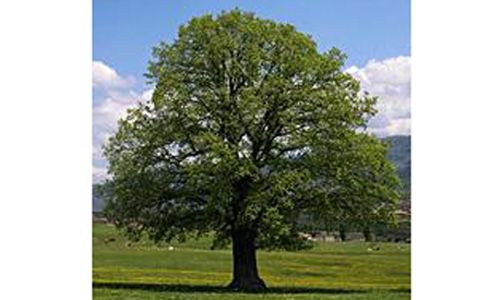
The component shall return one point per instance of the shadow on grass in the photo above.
(186, 288)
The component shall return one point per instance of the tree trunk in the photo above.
(343, 232)
(368, 234)
(245, 274)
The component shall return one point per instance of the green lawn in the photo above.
(191, 271)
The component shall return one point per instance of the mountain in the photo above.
(400, 155)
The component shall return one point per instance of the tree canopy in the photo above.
(248, 127)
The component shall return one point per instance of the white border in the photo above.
(45, 158)
(45, 152)
(455, 202)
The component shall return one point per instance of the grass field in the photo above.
(192, 271)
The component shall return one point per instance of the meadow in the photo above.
(189, 270)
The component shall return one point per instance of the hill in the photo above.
(400, 155)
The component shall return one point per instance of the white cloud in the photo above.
(99, 174)
(105, 77)
(105, 119)
(115, 99)
(147, 95)
(106, 114)
(390, 80)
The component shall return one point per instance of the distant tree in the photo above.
(249, 126)
(343, 232)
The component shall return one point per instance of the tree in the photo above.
(248, 126)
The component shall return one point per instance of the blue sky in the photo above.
(124, 31)
(375, 34)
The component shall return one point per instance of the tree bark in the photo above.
(245, 274)
(367, 233)
(343, 232)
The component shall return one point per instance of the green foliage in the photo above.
(249, 126)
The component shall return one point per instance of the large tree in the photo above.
(249, 126)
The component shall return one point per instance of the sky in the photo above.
(375, 34)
